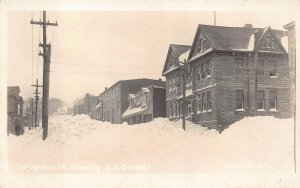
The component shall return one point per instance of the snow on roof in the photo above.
(98, 106)
(284, 42)
(145, 90)
(188, 92)
(133, 111)
(184, 56)
(131, 96)
(201, 54)
(171, 69)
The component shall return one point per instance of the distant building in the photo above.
(231, 72)
(86, 105)
(113, 101)
(145, 105)
(14, 101)
(79, 107)
(15, 119)
(70, 110)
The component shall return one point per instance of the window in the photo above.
(174, 83)
(171, 109)
(273, 69)
(268, 42)
(202, 71)
(208, 68)
(175, 109)
(112, 115)
(117, 91)
(239, 99)
(198, 73)
(199, 102)
(260, 100)
(172, 59)
(107, 115)
(260, 70)
(273, 99)
(178, 110)
(118, 105)
(201, 43)
(189, 107)
(170, 84)
(239, 65)
(209, 105)
(203, 102)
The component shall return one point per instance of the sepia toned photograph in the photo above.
(149, 98)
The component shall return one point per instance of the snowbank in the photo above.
(253, 146)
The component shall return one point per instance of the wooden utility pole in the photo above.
(215, 19)
(46, 71)
(183, 94)
(256, 80)
(31, 108)
(36, 101)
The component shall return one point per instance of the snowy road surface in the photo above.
(77, 144)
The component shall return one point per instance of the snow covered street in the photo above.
(77, 144)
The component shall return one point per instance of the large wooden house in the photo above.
(231, 72)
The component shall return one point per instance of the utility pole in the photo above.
(215, 19)
(36, 100)
(46, 71)
(31, 108)
(183, 94)
(256, 80)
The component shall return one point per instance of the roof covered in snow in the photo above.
(177, 50)
(129, 112)
(233, 38)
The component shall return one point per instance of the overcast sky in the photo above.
(92, 50)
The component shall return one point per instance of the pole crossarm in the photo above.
(42, 23)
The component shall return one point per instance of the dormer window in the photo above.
(201, 44)
(172, 59)
(268, 41)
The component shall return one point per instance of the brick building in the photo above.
(145, 105)
(231, 72)
(113, 101)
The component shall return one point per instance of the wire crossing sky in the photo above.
(93, 50)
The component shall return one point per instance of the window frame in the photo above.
(259, 107)
(275, 102)
(242, 100)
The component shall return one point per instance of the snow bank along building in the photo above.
(231, 72)
(145, 105)
(113, 100)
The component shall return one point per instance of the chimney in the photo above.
(160, 79)
(248, 26)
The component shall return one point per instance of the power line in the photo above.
(95, 63)
(101, 73)
(100, 65)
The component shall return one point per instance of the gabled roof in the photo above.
(177, 49)
(13, 91)
(233, 38)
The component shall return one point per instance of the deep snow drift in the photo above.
(255, 145)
